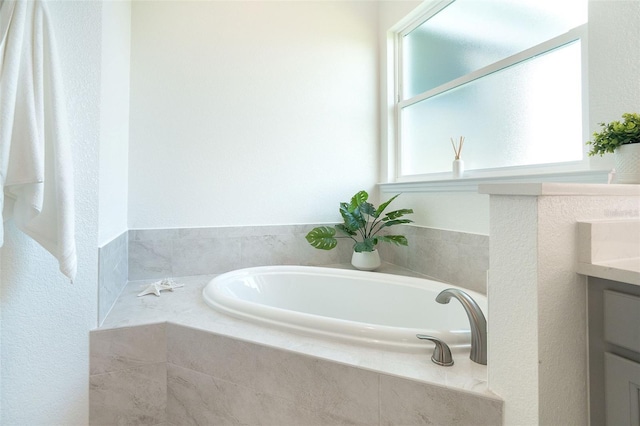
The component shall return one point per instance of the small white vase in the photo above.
(627, 158)
(458, 168)
(366, 260)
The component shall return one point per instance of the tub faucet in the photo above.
(477, 321)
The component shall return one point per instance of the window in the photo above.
(505, 74)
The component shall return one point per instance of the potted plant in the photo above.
(362, 223)
(623, 138)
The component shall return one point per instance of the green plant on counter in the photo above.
(362, 223)
(615, 134)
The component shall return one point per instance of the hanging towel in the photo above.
(35, 158)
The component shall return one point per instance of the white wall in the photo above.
(614, 64)
(250, 113)
(45, 319)
(114, 120)
(461, 211)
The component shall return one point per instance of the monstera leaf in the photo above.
(358, 199)
(322, 238)
(353, 219)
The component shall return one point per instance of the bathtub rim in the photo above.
(357, 331)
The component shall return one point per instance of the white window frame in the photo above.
(576, 171)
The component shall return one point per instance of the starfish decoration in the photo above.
(158, 286)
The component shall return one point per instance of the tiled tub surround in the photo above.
(173, 360)
(113, 273)
(160, 253)
(455, 257)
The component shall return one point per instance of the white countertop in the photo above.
(185, 306)
(622, 270)
(610, 249)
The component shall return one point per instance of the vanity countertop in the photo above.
(622, 270)
(610, 249)
(185, 306)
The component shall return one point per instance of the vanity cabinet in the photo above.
(614, 352)
(622, 375)
(622, 390)
(609, 255)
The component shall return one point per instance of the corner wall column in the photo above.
(537, 358)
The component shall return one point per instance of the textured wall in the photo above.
(614, 64)
(114, 120)
(537, 308)
(45, 319)
(242, 101)
(513, 337)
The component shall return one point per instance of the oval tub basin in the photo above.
(362, 307)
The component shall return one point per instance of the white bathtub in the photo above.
(361, 307)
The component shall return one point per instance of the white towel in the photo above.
(35, 157)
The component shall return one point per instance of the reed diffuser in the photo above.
(458, 164)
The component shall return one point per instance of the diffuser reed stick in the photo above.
(457, 150)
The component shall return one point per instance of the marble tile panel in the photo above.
(153, 234)
(204, 233)
(445, 254)
(269, 250)
(121, 269)
(160, 253)
(418, 256)
(136, 396)
(300, 230)
(289, 249)
(437, 234)
(396, 255)
(195, 398)
(250, 231)
(205, 256)
(256, 231)
(454, 257)
(236, 231)
(319, 385)
(113, 273)
(471, 272)
(182, 304)
(476, 240)
(408, 402)
(150, 259)
(127, 347)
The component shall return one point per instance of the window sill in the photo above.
(470, 184)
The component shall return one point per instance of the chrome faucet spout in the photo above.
(477, 321)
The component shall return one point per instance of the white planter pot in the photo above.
(366, 260)
(627, 159)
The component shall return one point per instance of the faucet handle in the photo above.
(441, 353)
